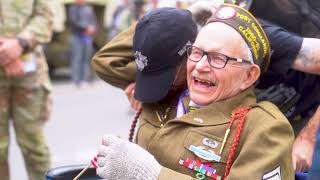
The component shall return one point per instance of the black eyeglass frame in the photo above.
(189, 47)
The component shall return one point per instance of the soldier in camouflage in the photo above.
(24, 82)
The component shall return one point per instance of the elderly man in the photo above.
(291, 53)
(226, 134)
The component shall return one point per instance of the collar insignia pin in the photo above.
(198, 120)
(210, 143)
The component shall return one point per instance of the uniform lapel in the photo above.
(216, 113)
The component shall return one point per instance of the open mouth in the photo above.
(201, 83)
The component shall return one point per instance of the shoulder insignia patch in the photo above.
(273, 175)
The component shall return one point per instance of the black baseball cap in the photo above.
(159, 45)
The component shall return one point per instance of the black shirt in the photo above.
(285, 48)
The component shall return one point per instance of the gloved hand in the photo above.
(122, 160)
(202, 10)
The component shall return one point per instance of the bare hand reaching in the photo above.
(303, 146)
(135, 104)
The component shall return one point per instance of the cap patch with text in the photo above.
(249, 28)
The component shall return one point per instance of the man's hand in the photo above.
(302, 153)
(10, 50)
(14, 68)
(121, 160)
(90, 30)
(135, 104)
(303, 146)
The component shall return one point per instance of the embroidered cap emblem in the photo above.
(141, 60)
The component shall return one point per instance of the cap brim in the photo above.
(151, 88)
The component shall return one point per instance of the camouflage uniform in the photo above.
(59, 16)
(25, 99)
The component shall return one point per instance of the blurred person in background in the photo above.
(59, 16)
(24, 82)
(83, 25)
(184, 4)
(110, 7)
(122, 18)
(59, 19)
(138, 8)
(151, 5)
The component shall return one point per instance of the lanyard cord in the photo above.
(137, 115)
(240, 114)
(134, 124)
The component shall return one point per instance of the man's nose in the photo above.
(203, 64)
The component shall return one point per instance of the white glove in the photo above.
(202, 10)
(122, 160)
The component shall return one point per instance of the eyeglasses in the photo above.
(216, 60)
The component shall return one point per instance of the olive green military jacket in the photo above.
(30, 20)
(265, 144)
(264, 148)
(114, 63)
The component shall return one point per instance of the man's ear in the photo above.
(251, 76)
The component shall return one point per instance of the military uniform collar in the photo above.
(150, 111)
(218, 112)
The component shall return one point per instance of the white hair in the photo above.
(249, 53)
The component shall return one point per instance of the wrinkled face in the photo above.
(208, 84)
